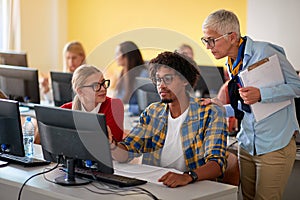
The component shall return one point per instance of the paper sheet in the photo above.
(264, 74)
(141, 171)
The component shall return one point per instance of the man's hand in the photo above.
(250, 95)
(173, 180)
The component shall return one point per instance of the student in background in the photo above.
(73, 57)
(177, 132)
(267, 148)
(90, 88)
(186, 50)
(130, 58)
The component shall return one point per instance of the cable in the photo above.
(118, 191)
(47, 178)
(113, 188)
(149, 193)
(40, 173)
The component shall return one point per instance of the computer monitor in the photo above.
(62, 87)
(146, 92)
(20, 83)
(13, 58)
(11, 137)
(210, 81)
(76, 136)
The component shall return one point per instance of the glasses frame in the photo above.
(211, 42)
(100, 85)
(157, 80)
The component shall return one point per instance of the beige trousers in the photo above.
(264, 177)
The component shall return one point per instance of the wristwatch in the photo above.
(193, 175)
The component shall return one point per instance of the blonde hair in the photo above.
(73, 47)
(79, 79)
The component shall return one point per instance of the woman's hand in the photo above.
(250, 95)
(207, 101)
(110, 136)
(45, 85)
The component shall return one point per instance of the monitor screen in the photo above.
(80, 136)
(146, 92)
(210, 81)
(20, 83)
(11, 137)
(13, 58)
(61, 87)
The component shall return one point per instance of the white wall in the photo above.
(276, 21)
(43, 32)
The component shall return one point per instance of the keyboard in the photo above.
(121, 181)
(25, 161)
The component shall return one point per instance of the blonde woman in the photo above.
(74, 56)
(90, 88)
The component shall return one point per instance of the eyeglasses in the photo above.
(167, 79)
(97, 86)
(211, 42)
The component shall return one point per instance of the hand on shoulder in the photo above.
(207, 101)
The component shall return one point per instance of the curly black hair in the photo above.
(182, 64)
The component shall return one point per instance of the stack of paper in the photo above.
(264, 73)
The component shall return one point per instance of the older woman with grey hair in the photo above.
(267, 148)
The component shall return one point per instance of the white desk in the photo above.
(12, 177)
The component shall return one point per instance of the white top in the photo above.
(172, 153)
(95, 110)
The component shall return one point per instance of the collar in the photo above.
(95, 110)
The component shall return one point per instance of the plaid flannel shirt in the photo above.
(203, 135)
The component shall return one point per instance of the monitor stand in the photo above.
(69, 178)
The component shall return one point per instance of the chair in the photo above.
(232, 172)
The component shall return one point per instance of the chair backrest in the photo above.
(232, 172)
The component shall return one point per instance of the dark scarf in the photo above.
(234, 84)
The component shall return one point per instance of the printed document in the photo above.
(264, 73)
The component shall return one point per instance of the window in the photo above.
(1, 23)
(9, 24)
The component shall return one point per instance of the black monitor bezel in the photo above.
(205, 84)
(146, 92)
(14, 58)
(61, 95)
(10, 119)
(30, 78)
(55, 134)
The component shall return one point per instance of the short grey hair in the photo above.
(222, 21)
